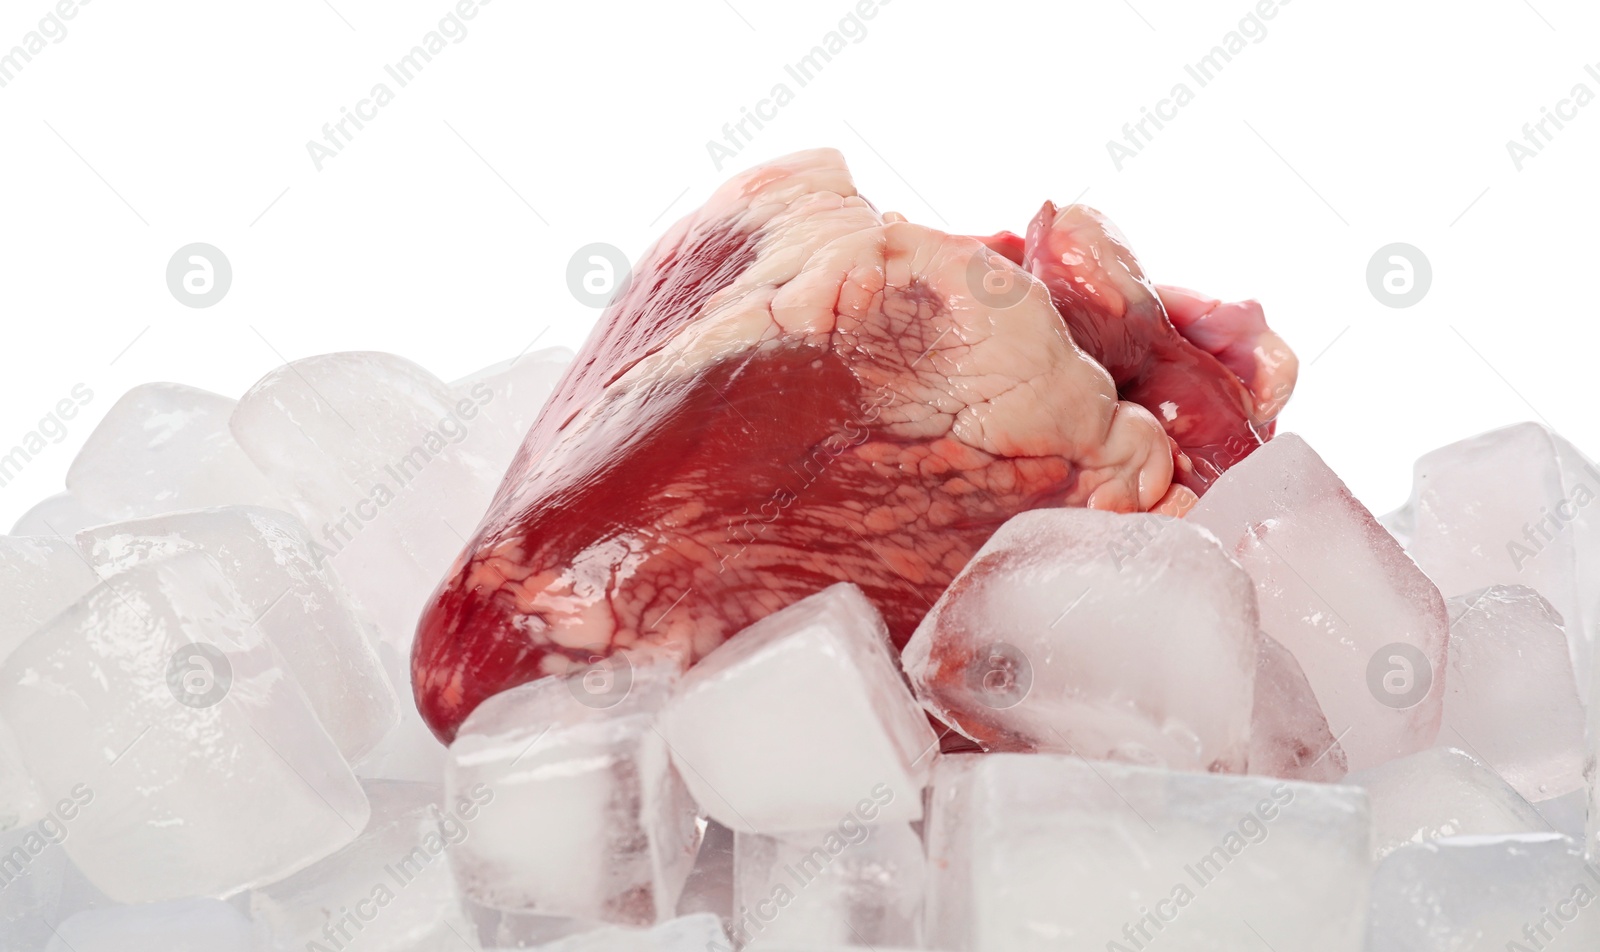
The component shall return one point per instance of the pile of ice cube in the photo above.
(1266, 725)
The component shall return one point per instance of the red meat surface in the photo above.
(796, 390)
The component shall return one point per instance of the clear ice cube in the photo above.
(797, 719)
(304, 612)
(512, 393)
(581, 811)
(857, 883)
(161, 448)
(368, 448)
(32, 864)
(1044, 851)
(1110, 636)
(1513, 506)
(1510, 695)
(1441, 792)
(182, 925)
(40, 887)
(1289, 734)
(1368, 628)
(19, 798)
(206, 770)
(390, 890)
(701, 932)
(709, 887)
(1528, 893)
(58, 516)
(1566, 814)
(39, 578)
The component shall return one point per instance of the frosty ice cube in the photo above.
(1510, 695)
(39, 577)
(1110, 636)
(368, 449)
(307, 616)
(709, 887)
(164, 447)
(799, 718)
(31, 867)
(184, 925)
(1289, 735)
(582, 813)
(208, 769)
(1054, 852)
(1529, 893)
(58, 516)
(857, 883)
(388, 891)
(40, 887)
(701, 932)
(512, 393)
(1513, 507)
(1441, 792)
(1368, 628)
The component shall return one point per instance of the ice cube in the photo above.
(409, 751)
(1566, 814)
(58, 516)
(1054, 852)
(184, 925)
(40, 886)
(1441, 792)
(947, 920)
(1110, 636)
(1529, 893)
(857, 883)
(31, 867)
(709, 887)
(161, 448)
(1513, 506)
(797, 719)
(388, 891)
(1289, 735)
(1367, 627)
(263, 553)
(368, 449)
(582, 813)
(701, 932)
(1591, 773)
(205, 767)
(19, 798)
(39, 578)
(508, 929)
(1401, 525)
(512, 392)
(1510, 695)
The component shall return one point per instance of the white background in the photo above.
(443, 231)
